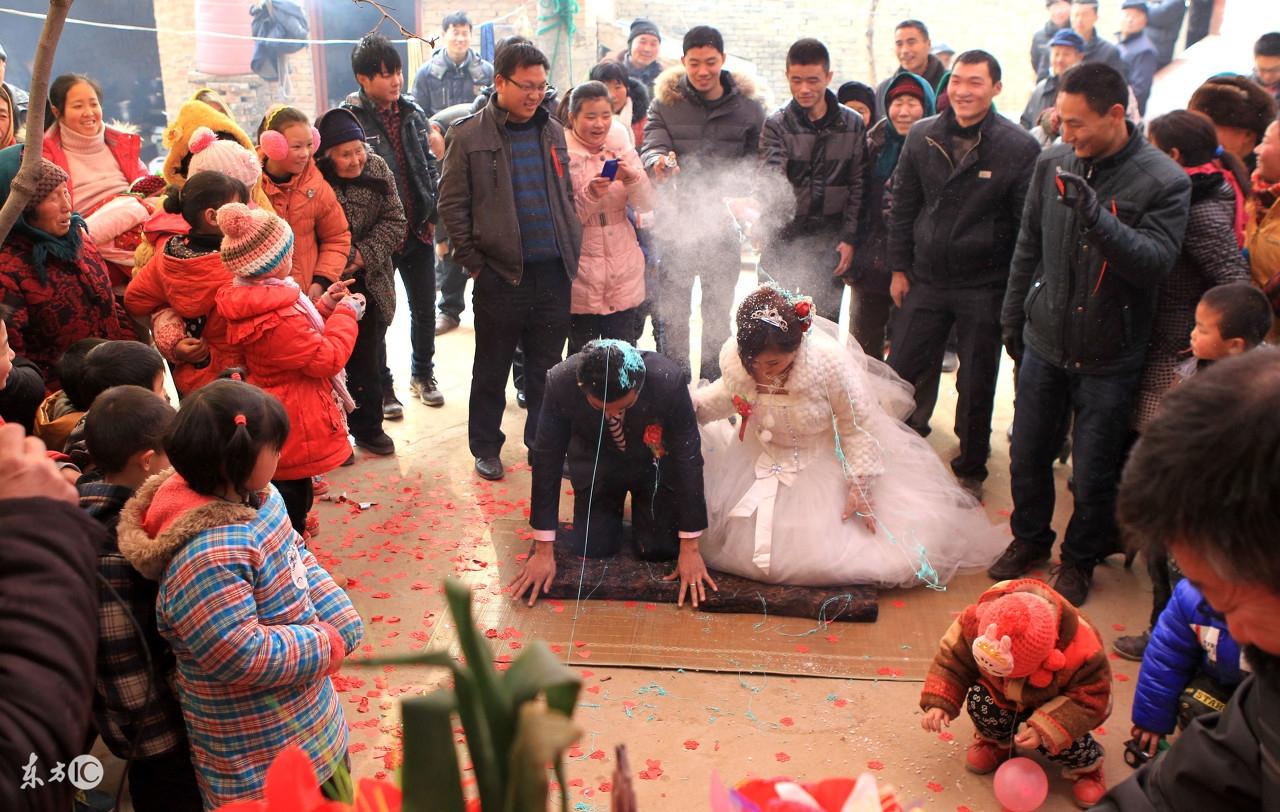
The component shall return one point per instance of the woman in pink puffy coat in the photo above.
(609, 288)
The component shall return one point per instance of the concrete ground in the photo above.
(397, 526)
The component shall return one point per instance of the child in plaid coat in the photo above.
(255, 623)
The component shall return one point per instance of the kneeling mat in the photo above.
(626, 577)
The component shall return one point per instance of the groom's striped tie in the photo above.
(615, 431)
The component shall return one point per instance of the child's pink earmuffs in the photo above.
(275, 146)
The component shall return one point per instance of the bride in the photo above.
(819, 483)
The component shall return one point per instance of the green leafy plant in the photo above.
(515, 724)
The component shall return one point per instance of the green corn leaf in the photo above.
(485, 761)
(537, 672)
(542, 735)
(498, 709)
(432, 781)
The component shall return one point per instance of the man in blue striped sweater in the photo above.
(507, 203)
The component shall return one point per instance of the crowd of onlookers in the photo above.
(1113, 256)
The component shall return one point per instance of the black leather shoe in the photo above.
(380, 444)
(1131, 646)
(490, 468)
(1017, 558)
(392, 408)
(1072, 583)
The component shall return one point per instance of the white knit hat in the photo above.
(209, 154)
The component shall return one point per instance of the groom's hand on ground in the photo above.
(538, 573)
(693, 575)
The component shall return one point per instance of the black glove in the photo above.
(1013, 344)
(1075, 191)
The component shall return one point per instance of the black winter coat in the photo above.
(954, 223)
(423, 171)
(870, 270)
(48, 640)
(1221, 761)
(823, 161)
(1086, 298)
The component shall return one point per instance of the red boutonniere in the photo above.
(653, 439)
(744, 410)
(803, 309)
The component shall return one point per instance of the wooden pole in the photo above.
(24, 183)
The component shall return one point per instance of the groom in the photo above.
(624, 420)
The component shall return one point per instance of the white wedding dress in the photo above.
(775, 498)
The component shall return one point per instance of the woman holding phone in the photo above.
(613, 196)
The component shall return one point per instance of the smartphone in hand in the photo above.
(610, 170)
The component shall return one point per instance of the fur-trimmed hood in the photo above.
(164, 515)
(669, 87)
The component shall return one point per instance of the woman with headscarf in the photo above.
(51, 277)
(908, 98)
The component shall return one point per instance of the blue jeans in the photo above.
(1100, 406)
(417, 265)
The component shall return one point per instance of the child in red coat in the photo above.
(292, 348)
(185, 275)
(1032, 673)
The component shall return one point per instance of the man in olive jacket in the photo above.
(1103, 224)
(507, 202)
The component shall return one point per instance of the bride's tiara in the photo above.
(770, 315)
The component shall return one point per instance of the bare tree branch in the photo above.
(386, 15)
(24, 184)
(871, 41)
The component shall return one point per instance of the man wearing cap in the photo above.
(1136, 48)
(1240, 111)
(1066, 50)
(945, 54)
(1059, 18)
(19, 96)
(958, 192)
(1084, 20)
(641, 57)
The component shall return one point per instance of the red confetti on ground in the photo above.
(1118, 626)
(841, 702)
(382, 595)
(786, 721)
(802, 649)
(782, 758)
(652, 770)
(598, 755)
(1122, 677)
(963, 809)
(899, 604)
(934, 786)
(831, 638)
(875, 765)
(945, 736)
(691, 744)
(1100, 730)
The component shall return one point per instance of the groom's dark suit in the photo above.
(666, 498)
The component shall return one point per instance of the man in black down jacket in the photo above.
(48, 625)
(1103, 224)
(816, 144)
(958, 193)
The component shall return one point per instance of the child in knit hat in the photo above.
(176, 289)
(1031, 671)
(292, 348)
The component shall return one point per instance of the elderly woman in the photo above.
(54, 281)
(102, 164)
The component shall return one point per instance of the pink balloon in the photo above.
(1021, 785)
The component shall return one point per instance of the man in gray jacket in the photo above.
(700, 144)
(507, 202)
(815, 146)
(1103, 224)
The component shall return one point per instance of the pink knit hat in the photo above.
(1020, 632)
(209, 154)
(254, 242)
